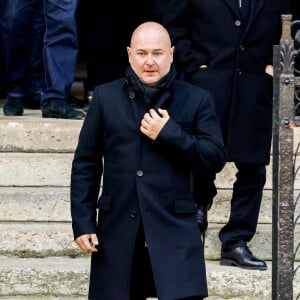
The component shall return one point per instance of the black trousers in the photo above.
(245, 202)
(142, 281)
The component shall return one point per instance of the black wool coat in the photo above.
(236, 51)
(144, 180)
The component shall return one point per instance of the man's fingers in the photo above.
(163, 112)
(148, 117)
(144, 123)
(94, 240)
(154, 114)
(153, 122)
(87, 242)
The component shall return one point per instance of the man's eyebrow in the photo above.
(152, 50)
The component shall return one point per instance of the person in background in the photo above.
(22, 29)
(60, 58)
(226, 47)
(149, 130)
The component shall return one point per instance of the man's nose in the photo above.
(150, 59)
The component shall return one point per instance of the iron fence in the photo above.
(286, 116)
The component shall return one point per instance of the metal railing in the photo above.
(286, 107)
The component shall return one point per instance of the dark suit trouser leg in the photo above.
(245, 206)
(60, 47)
(203, 186)
(21, 39)
(142, 282)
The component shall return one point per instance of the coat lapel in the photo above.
(256, 6)
(232, 5)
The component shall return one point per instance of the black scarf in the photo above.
(151, 95)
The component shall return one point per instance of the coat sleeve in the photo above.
(86, 173)
(187, 58)
(200, 146)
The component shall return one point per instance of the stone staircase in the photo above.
(38, 258)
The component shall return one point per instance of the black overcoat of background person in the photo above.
(235, 75)
(144, 180)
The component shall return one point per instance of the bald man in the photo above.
(149, 131)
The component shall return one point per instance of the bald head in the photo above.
(149, 29)
(150, 53)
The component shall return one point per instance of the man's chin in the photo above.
(150, 81)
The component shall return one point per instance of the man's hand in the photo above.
(269, 70)
(88, 242)
(153, 123)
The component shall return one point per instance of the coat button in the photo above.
(133, 214)
(140, 173)
(239, 71)
(131, 95)
(237, 23)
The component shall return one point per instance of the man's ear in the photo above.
(172, 52)
(128, 52)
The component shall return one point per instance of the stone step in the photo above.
(35, 169)
(43, 277)
(30, 133)
(56, 239)
(36, 222)
(37, 240)
(84, 298)
(35, 204)
(53, 204)
(39, 297)
(54, 169)
(66, 277)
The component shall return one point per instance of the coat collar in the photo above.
(156, 97)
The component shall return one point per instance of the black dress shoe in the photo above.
(13, 106)
(242, 257)
(58, 108)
